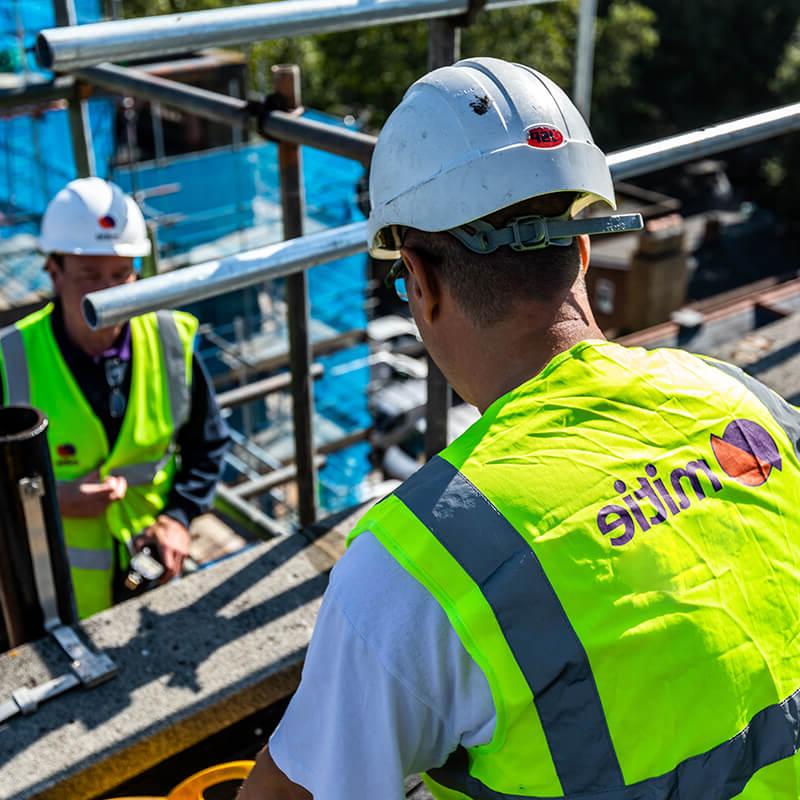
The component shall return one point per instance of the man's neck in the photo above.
(93, 343)
(514, 351)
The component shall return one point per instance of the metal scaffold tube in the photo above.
(192, 99)
(272, 123)
(86, 45)
(286, 83)
(444, 47)
(684, 147)
(212, 278)
(112, 306)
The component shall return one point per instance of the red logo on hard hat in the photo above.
(107, 221)
(545, 136)
(66, 450)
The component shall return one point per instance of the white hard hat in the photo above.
(476, 137)
(93, 217)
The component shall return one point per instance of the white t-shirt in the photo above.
(387, 689)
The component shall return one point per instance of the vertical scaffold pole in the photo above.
(286, 84)
(444, 44)
(584, 57)
(79, 127)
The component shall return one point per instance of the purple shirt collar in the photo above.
(121, 348)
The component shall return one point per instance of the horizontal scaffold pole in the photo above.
(112, 306)
(272, 123)
(192, 99)
(86, 45)
(212, 278)
(703, 142)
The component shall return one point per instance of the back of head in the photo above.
(485, 164)
(93, 217)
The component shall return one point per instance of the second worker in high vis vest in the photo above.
(135, 436)
(595, 591)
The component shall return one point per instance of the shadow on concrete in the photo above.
(167, 649)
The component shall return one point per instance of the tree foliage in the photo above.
(661, 67)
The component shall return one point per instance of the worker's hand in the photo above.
(171, 540)
(89, 496)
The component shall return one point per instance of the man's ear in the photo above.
(585, 249)
(422, 284)
(54, 270)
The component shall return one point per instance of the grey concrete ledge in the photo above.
(194, 657)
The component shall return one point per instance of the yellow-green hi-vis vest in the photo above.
(617, 545)
(36, 374)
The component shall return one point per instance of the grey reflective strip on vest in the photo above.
(144, 473)
(175, 364)
(720, 773)
(16, 367)
(785, 414)
(535, 625)
(80, 558)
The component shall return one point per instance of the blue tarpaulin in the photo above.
(220, 201)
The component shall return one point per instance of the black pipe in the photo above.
(282, 126)
(24, 454)
(192, 99)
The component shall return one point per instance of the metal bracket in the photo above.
(88, 669)
(272, 102)
(31, 491)
(91, 668)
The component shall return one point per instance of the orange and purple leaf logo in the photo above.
(746, 452)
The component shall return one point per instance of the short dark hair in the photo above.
(486, 286)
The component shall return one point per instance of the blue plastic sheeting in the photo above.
(37, 161)
(21, 21)
(220, 192)
(36, 151)
(214, 195)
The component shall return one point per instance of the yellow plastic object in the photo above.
(194, 786)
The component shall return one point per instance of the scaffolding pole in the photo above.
(444, 46)
(79, 126)
(87, 45)
(272, 122)
(584, 57)
(286, 83)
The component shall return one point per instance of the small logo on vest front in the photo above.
(66, 454)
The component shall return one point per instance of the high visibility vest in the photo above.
(617, 545)
(35, 373)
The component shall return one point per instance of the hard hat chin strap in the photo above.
(534, 233)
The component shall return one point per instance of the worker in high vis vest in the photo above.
(594, 592)
(135, 435)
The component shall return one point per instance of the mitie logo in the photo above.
(745, 451)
